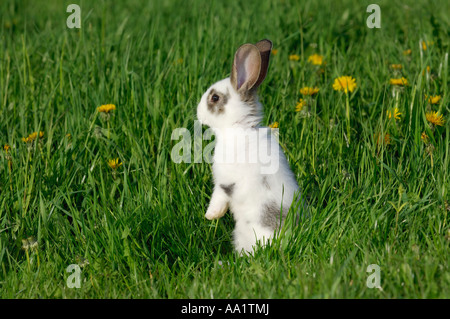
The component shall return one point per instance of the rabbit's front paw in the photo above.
(216, 211)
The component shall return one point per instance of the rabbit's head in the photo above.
(233, 102)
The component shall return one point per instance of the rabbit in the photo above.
(258, 196)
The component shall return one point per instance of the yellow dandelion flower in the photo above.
(407, 52)
(344, 83)
(300, 105)
(106, 108)
(425, 44)
(424, 137)
(396, 66)
(316, 59)
(114, 163)
(433, 99)
(274, 125)
(309, 90)
(435, 118)
(6, 148)
(394, 113)
(400, 82)
(294, 57)
(32, 137)
(428, 70)
(275, 51)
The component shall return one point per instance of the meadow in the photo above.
(93, 186)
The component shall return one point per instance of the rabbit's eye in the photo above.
(215, 98)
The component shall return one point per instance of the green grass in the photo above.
(142, 229)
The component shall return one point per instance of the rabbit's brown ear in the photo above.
(250, 65)
(265, 49)
(246, 68)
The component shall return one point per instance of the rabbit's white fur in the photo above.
(257, 188)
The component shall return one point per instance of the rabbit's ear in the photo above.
(265, 49)
(250, 65)
(246, 68)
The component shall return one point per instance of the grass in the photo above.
(139, 230)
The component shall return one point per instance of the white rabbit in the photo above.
(251, 174)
